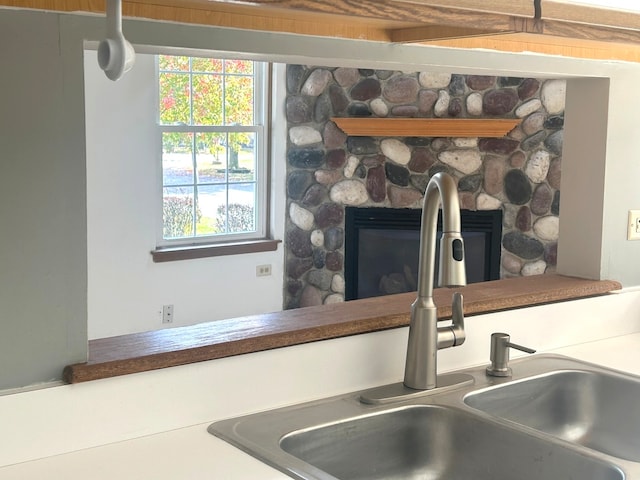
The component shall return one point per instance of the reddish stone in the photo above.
(426, 100)
(404, 111)
(403, 197)
(551, 253)
(334, 261)
(494, 170)
(528, 88)
(480, 82)
(376, 183)
(554, 173)
(499, 146)
(517, 160)
(499, 102)
(329, 215)
(523, 219)
(311, 297)
(336, 159)
(401, 89)
(421, 160)
(333, 136)
(467, 201)
(541, 200)
(366, 89)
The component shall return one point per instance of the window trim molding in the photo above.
(191, 252)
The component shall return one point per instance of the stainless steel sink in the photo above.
(435, 442)
(555, 418)
(595, 409)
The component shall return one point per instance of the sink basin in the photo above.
(556, 418)
(432, 442)
(598, 410)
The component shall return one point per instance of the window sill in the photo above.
(172, 254)
(141, 352)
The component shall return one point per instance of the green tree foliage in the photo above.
(177, 213)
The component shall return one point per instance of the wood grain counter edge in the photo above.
(141, 352)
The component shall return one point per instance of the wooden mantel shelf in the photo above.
(426, 127)
(140, 352)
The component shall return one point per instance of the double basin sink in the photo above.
(555, 418)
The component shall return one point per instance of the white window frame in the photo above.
(261, 97)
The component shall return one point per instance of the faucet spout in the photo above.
(425, 338)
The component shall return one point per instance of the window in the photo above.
(211, 116)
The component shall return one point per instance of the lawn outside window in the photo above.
(211, 120)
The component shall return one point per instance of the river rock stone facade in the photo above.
(328, 170)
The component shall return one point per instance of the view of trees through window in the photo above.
(207, 117)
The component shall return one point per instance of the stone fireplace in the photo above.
(328, 171)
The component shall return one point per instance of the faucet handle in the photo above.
(453, 335)
(499, 356)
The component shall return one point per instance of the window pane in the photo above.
(178, 212)
(241, 214)
(173, 63)
(177, 158)
(242, 157)
(211, 200)
(243, 67)
(174, 99)
(211, 157)
(207, 99)
(211, 65)
(238, 100)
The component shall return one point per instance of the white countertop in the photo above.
(192, 453)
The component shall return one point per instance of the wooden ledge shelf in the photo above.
(141, 352)
(426, 127)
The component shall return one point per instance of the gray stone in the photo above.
(457, 84)
(509, 81)
(470, 183)
(480, 82)
(303, 135)
(404, 111)
(379, 107)
(403, 197)
(439, 144)
(533, 123)
(419, 182)
(434, 80)
(517, 160)
(366, 72)
(361, 172)
(554, 122)
(296, 267)
(349, 192)
(314, 196)
(487, 202)
(494, 170)
(474, 104)
(318, 257)
(465, 161)
(517, 187)
(323, 109)
(534, 268)
(555, 173)
(384, 74)
(499, 102)
(299, 243)
(455, 107)
(467, 201)
(333, 136)
(295, 75)
(528, 108)
(310, 297)
(541, 200)
(551, 253)
(441, 107)
(294, 287)
(301, 217)
(346, 77)
(417, 141)
(316, 82)
(298, 182)
(547, 228)
(359, 110)
(333, 298)
(401, 89)
(553, 96)
(320, 279)
(299, 108)
(533, 141)
(396, 151)
(317, 238)
(339, 100)
(537, 166)
(554, 142)
(333, 238)
(393, 283)
(376, 184)
(329, 215)
(426, 100)
(396, 174)
(305, 158)
(522, 245)
(366, 89)
(555, 204)
(362, 145)
(511, 263)
(337, 283)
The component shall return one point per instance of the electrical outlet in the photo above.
(263, 270)
(167, 314)
(633, 225)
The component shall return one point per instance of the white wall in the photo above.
(126, 290)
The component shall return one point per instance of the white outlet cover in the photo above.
(633, 225)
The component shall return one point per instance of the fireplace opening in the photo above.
(381, 249)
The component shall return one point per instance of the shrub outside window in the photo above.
(211, 115)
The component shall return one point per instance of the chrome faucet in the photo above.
(425, 337)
